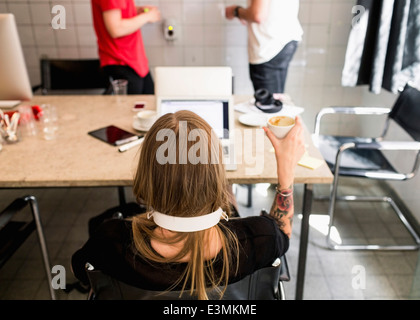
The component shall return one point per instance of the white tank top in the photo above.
(267, 39)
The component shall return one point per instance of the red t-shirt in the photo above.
(127, 50)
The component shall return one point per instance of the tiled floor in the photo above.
(330, 274)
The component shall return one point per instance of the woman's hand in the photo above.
(288, 151)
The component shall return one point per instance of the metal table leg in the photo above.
(121, 195)
(304, 236)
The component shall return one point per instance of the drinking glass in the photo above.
(27, 121)
(119, 86)
(49, 121)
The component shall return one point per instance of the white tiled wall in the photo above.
(207, 38)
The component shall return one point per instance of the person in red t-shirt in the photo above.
(117, 25)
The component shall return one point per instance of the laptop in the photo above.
(206, 91)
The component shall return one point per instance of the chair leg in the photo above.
(249, 204)
(282, 292)
(42, 243)
(331, 209)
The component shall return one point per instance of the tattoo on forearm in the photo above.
(282, 207)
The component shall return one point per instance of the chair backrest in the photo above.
(406, 111)
(71, 74)
(263, 284)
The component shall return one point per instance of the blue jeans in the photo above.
(272, 75)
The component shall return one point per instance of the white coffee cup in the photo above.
(145, 119)
(280, 125)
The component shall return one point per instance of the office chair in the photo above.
(72, 76)
(13, 233)
(364, 158)
(263, 284)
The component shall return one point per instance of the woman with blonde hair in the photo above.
(187, 240)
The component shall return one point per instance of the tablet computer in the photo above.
(113, 135)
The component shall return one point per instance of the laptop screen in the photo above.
(215, 112)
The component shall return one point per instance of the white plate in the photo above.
(9, 104)
(137, 127)
(253, 119)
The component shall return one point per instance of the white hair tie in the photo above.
(187, 224)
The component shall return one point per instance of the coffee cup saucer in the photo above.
(138, 127)
(253, 119)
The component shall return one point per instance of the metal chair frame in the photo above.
(16, 238)
(374, 144)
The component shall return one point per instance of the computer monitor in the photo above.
(14, 80)
(215, 112)
(198, 89)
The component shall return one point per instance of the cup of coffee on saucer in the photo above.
(281, 125)
(143, 120)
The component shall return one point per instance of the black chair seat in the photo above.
(263, 284)
(354, 162)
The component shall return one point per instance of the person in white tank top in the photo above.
(274, 31)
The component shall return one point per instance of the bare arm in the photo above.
(119, 27)
(256, 12)
(282, 209)
(288, 152)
